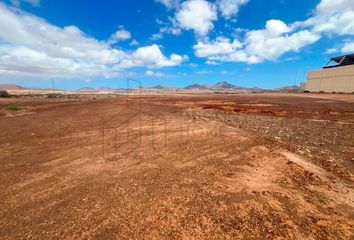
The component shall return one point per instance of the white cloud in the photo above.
(150, 73)
(348, 47)
(120, 35)
(219, 46)
(193, 65)
(169, 3)
(20, 60)
(156, 36)
(152, 57)
(30, 46)
(169, 27)
(259, 45)
(203, 72)
(134, 43)
(230, 8)
(211, 62)
(331, 50)
(328, 7)
(332, 17)
(197, 15)
(18, 2)
(277, 38)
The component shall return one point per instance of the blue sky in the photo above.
(264, 43)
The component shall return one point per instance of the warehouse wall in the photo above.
(339, 79)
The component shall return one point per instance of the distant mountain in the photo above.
(252, 89)
(17, 87)
(221, 86)
(160, 87)
(218, 87)
(87, 89)
(11, 87)
(105, 89)
(224, 85)
(197, 87)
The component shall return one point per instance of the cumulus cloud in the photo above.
(332, 17)
(348, 47)
(151, 57)
(196, 15)
(150, 73)
(220, 46)
(134, 43)
(259, 45)
(120, 35)
(169, 3)
(30, 46)
(230, 8)
(277, 38)
(24, 61)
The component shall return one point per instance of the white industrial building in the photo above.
(336, 77)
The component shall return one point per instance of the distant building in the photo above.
(337, 76)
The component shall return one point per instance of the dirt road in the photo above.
(178, 166)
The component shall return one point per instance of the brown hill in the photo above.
(11, 87)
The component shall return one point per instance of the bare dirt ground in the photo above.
(178, 166)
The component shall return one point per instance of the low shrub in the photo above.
(4, 94)
(13, 108)
(54, 95)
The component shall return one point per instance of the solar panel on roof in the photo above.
(341, 60)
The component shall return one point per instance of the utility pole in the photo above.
(297, 70)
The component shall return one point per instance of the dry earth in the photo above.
(183, 166)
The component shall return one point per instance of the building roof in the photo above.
(341, 61)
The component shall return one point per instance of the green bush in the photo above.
(13, 108)
(4, 94)
(54, 95)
